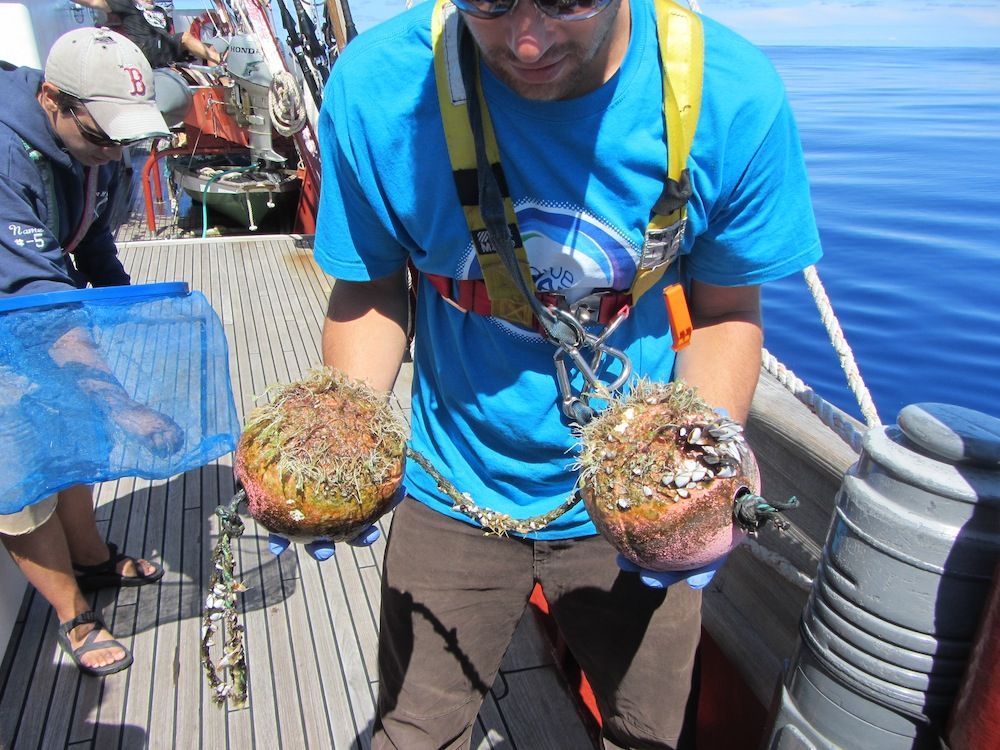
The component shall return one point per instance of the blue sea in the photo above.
(903, 151)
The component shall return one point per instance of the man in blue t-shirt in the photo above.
(574, 94)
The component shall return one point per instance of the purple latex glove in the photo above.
(697, 578)
(322, 549)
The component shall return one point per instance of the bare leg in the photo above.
(85, 543)
(43, 557)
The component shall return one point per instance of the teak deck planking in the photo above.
(311, 628)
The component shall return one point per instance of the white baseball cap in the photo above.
(109, 73)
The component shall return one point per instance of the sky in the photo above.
(879, 23)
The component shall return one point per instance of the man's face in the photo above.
(77, 129)
(544, 58)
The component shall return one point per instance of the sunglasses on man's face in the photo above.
(563, 10)
(96, 137)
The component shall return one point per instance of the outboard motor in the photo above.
(246, 65)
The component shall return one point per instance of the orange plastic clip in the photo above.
(679, 315)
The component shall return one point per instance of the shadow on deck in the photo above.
(311, 628)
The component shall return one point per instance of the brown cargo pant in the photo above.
(452, 597)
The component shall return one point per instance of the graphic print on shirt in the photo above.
(100, 203)
(155, 15)
(570, 250)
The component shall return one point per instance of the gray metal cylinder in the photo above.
(173, 95)
(906, 568)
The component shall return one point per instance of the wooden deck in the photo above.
(311, 628)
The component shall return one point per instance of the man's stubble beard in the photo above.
(581, 75)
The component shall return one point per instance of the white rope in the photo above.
(288, 113)
(828, 414)
(251, 226)
(785, 568)
(840, 345)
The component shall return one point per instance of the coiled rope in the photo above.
(285, 104)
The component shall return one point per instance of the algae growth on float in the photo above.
(324, 458)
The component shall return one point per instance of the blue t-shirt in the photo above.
(583, 175)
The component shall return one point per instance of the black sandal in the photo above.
(91, 644)
(106, 575)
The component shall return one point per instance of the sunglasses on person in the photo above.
(563, 10)
(96, 137)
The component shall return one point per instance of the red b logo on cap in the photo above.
(138, 84)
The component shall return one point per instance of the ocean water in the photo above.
(902, 147)
(903, 151)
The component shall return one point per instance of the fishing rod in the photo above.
(295, 44)
(329, 36)
(349, 28)
(338, 17)
(316, 51)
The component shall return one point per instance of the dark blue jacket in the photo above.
(31, 258)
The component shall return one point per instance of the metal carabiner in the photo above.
(600, 348)
(572, 406)
(576, 406)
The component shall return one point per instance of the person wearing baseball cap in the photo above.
(62, 133)
(111, 79)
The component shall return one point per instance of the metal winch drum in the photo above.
(906, 569)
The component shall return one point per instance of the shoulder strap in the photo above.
(89, 209)
(447, 35)
(682, 58)
(48, 181)
(680, 41)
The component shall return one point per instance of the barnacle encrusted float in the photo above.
(324, 458)
(660, 471)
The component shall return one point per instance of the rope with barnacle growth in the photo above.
(220, 612)
(492, 521)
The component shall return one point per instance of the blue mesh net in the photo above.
(97, 384)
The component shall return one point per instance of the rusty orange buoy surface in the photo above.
(323, 459)
(660, 472)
